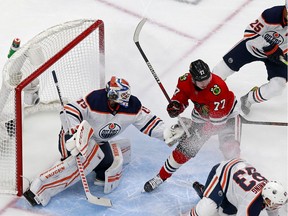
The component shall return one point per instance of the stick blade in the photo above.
(101, 201)
(138, 29)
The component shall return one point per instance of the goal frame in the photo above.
(18, 91)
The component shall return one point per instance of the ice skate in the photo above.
(29, 196)
(153, 183)
(245, 104)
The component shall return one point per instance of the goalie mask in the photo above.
(118, 90)
(199, 70)
(274, 195)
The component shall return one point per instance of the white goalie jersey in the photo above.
(107, 122)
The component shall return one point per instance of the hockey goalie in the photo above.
(65, 172)
(89, 125)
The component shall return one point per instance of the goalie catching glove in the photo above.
(78, 143)
(173, 134)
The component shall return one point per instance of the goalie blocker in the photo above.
(65, 173)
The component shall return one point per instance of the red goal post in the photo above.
(76, 51)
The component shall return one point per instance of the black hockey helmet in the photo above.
(199, 70)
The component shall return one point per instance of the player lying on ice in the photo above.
(109, 112)
(214, 113)
(235, 187)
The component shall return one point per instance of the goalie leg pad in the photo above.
(64, 174)
(114, 173)
(125, 146)
(59, 170)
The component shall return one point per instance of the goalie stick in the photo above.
(136, 41)
(91, 198)
(246, 121)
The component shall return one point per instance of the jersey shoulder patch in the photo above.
(218, 85)
(216, 90)
(97, 100)
(184, 77)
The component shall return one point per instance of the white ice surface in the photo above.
(174, 35)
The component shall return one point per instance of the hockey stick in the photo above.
(245, 121)
(91, 198)
(136, 41)
(282, 59)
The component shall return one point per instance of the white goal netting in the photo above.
(75, 50)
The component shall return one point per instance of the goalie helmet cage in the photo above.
(75, 50)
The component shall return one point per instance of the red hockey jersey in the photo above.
(215, 103)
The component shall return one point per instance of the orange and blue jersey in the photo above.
(107, 122)
(269, 28)
(236, 187)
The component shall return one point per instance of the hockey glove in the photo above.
(174, 109)
(273, 53)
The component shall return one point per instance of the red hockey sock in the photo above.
(175, 160)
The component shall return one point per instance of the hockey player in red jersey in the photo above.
(235, 187)
(264, 40)
(214, 113)
(109, 112)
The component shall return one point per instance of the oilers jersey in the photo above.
(239, 185)
(270, 27)
(108, 122)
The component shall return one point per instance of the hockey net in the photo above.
(75, 50)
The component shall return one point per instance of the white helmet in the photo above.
(274, 195)
(118, 90)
